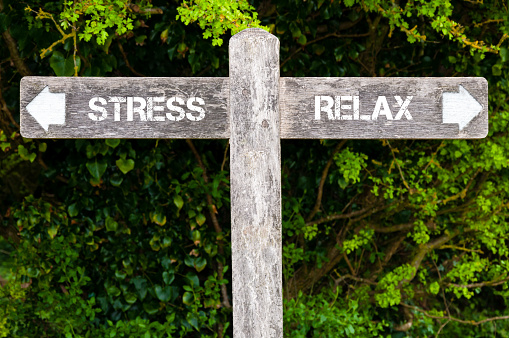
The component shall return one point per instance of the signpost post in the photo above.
(255, 108)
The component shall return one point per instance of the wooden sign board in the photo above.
(122, 107)
(324, 108)
(384, 108)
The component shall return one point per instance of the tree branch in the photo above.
(426, 248)
(480, 285)
(12, 46)
(128, 65)
(471, 322)
(322, 181)
(362, 213)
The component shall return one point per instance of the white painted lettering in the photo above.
(404, 107)
(94, 107)
(150, 107)
(140, 109)
(179, 110)
(200, 110)
(337, 107)
(381, 108)
(356, 107)
(346, 106)
(327, 108)
(156, 108)
(116, 106)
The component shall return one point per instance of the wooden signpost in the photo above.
(255, 108)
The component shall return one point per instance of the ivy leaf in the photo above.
(296, 32)
(163, 294)
(179, 202)
(151, 307)
(168, 277)
(188, 298)
(73, 210)
(52, 231)
(96, 168)
(200, 263)
(158, 217)
(166, 241)
(116, 180)
(112, 142)
(200, 219)
(63, 66)
(111, 224)
(192, 318)
(113, 291)
(130, 298)
(125, 166)
(33, 272)
(141, 286)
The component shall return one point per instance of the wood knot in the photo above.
(265, 124)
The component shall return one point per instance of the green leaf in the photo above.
(302, 39)
(504, 54)
(96, 168)
(163, 294)
(189, 261)
(116, 180)
(120, 274)
(52, 231)
(63, 66)
(111, 224)
(296, 32)
(158, 218)
(496, 69)
(125, 166)
(166, 241)
(168, 277)
(151, 307)
(179, 202)
(141, 286)
(25, 154)
(33, 272)
(200, 219)
(72, 210)
(140, 40)
(188, 298)
(200, 263)
(130, 298)
(113, 291)
(112, 142)
(192, 318)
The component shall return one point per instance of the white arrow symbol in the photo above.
(459, 108)
(48, 108)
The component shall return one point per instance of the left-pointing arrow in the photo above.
(48, 108)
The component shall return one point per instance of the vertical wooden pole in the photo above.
(255, 178)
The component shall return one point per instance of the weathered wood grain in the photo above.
(79, 92)
(297, 106)
(255, 178)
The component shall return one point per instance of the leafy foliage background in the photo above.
(131, 237)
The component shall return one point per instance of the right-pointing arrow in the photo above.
(48, 108)
(460, 108)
